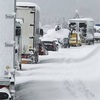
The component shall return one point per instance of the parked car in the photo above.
(50, 45)
(42, 49)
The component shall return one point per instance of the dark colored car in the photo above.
(42, 49)
(50, 45)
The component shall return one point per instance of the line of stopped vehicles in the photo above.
(20, 40)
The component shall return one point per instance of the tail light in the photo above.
(3, 86)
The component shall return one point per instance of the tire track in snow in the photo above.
(78, 89)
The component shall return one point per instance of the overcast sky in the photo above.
(51, 9)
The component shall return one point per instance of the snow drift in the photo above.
(52, 34)
(72, 74)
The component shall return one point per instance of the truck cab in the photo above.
(84, 26)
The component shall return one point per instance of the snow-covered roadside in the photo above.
(60, 58)
(76, 69)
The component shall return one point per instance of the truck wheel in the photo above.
(20, 66)
(68, 46)
(93, 42)
(12, 98)
(88, 43)
(36, 60)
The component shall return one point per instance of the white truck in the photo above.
(30, 14)
(7, 49)
(84, 26)
(97, 33)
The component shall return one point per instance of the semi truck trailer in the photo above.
(29, 13)
(7, 49)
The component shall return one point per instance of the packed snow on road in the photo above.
(67, 74)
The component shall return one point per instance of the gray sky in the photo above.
(51, 9)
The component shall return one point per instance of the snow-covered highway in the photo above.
(68, 74)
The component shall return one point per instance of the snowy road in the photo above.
(69, 74)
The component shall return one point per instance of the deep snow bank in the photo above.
(52, 34)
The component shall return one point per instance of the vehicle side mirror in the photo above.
(41, 32)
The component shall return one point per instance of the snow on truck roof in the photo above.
(20, 21)
(52, 35)
(81, 19)
(27, 4)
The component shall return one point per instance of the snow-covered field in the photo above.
(68, 74)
